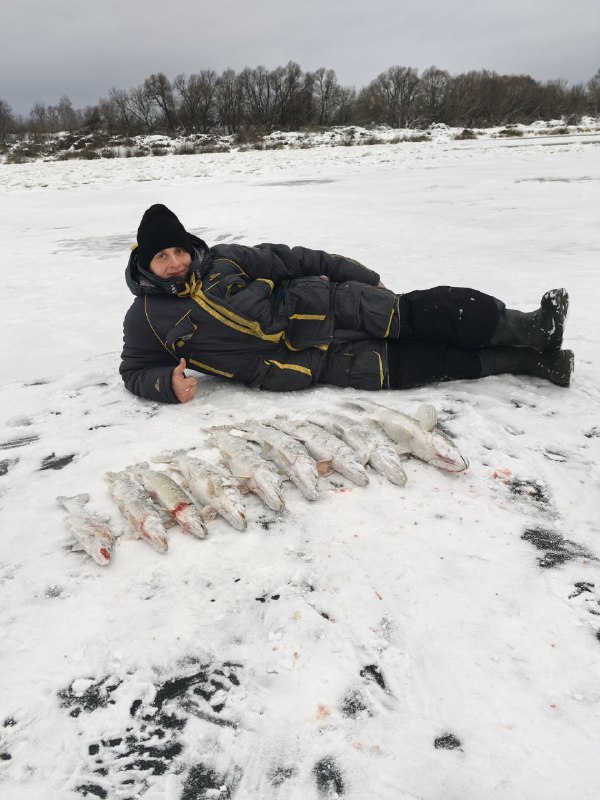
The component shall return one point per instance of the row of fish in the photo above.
(297, 450)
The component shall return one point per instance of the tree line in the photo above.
(286, 98)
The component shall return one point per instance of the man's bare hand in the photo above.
(183, 388)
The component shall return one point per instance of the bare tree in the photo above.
(327, 95)
(7, 120)
(158, 89)
(346, 111)
(433, 94)
(290, 96)
(67, 119)
(593, 88)
(229, 100)
(260, 98)
(391, 97)
(197, 96)
(143, 107)
(118, 113)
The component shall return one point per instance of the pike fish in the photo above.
(210, 485)
(169, 494)
(325, 448)
(138, 509)
(290, 455)
(369, 442)
(250, 468)
(415, 436)
(93, 532)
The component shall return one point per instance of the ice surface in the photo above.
(439, 640)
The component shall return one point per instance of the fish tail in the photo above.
(168, 456)
(77, 500)
(137, 467)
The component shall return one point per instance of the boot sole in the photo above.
(556, 301)
(557, 367)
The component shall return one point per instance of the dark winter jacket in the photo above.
(260, 315)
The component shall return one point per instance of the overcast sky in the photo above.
(82, 48)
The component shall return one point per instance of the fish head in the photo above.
(268, 486)
(102, 550)
(441, 452)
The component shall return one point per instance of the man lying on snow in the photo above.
(283, 319)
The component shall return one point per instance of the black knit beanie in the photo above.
(159, 229)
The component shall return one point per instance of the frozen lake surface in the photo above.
(438, 641)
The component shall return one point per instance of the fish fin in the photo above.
(208, 514)
(167, 519)
(138, 466)
(324, 468)
(402, 449)
(76, 547)
(427, 416)
(167, 456)
(77, 499)
(132, 532)
(354, 405)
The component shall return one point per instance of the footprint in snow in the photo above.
(19, 441)
(6, 464)
(328, 778)
(586, 597)
(556, 549)
(448, 741)
(149, 743)
(203, 783)
(56, 462)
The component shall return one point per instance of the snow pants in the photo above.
(383, 340)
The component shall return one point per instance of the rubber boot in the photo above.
(555, 366)
(541, 329)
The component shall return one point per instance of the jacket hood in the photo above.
(141, 281)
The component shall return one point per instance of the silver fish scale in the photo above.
(321, 444)
(238, 453)
(171, 496)
(412, 436)
(371, 444)
(325, 446)
(211, 485)
(137, 507)
(92, 531)
(167, 491)
(357, 435)
(246, 464)
(290, 455)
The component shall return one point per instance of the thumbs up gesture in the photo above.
(183, 388)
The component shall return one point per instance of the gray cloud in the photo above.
(81, 49)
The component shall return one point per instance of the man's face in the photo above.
(172, 262)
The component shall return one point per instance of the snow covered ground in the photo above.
(439, 641)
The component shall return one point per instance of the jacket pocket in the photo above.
(359, 365)
(277, 372)
(307, 307)
(181, 333)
